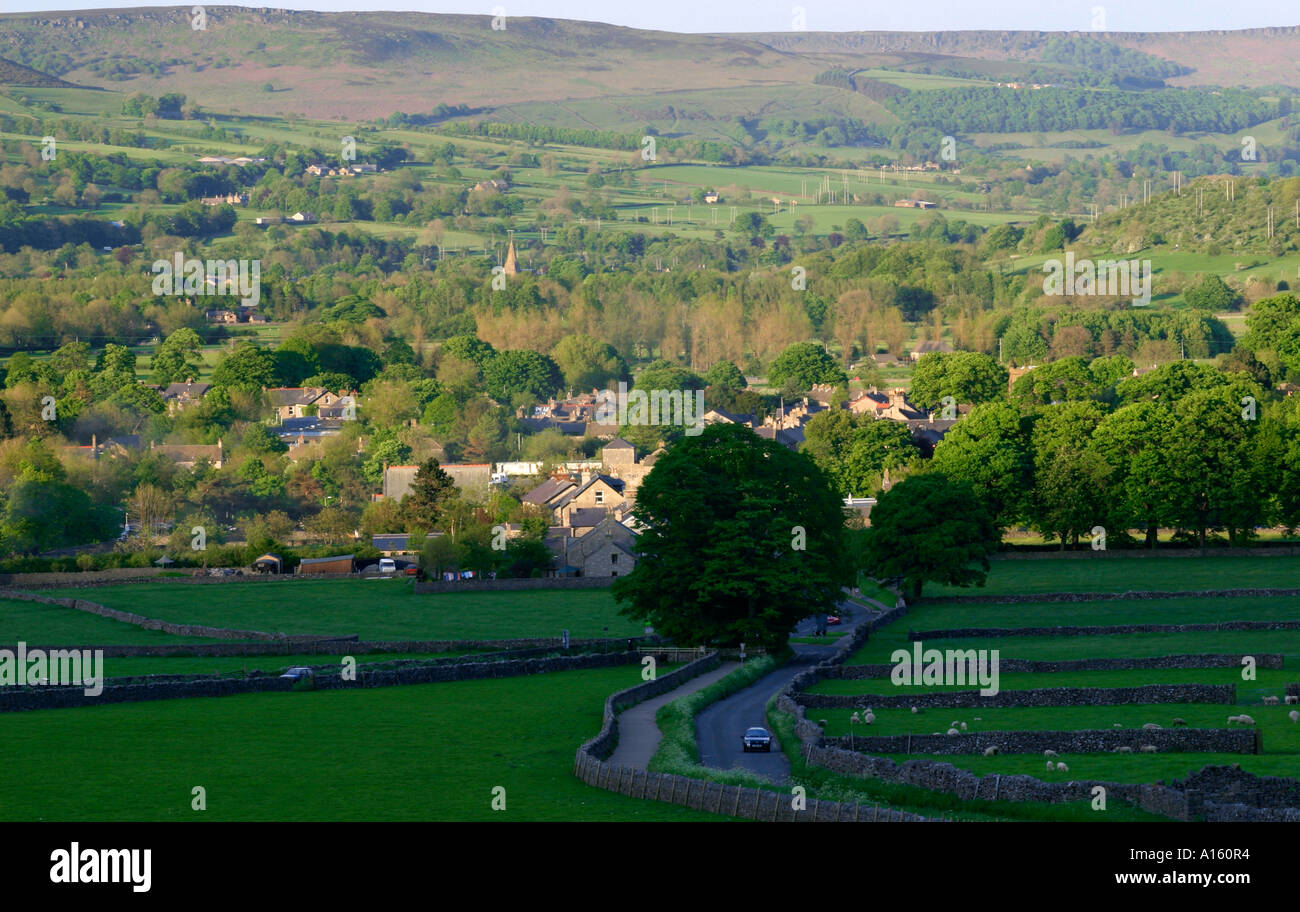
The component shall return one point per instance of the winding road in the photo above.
(720, 727)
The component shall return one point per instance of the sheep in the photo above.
(1062, 768)
(953, 731)
(1294, 715)
(1292, 699)
(954, 724)
(1124, 749)
(854, 718)
(915, 710)
(991, 750)
(963, 726)
(1180, 721)
(1270, 701)
(1148, 748)
(1050, 766)
(1150, 726)
(1049, 753)
(869, 717)
(978, 719)
(1117, 725)
(1245, 719)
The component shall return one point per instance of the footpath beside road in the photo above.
(638, 733)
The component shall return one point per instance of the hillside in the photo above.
(369, 64)
(15, 74)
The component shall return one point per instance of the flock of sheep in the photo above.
(867, 717)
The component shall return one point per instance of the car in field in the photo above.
(298, 673)
(756, 738)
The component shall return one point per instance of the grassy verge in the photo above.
(678, 752)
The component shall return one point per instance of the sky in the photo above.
(826, 15)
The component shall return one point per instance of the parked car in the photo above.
(756, 739)
(412, 570)
(387, 565)
(298, 673)
(832, 619)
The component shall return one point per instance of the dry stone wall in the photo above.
(1007, 666)
(1244, 740)
(1044, 696)
(1106, 630)
(14, 699)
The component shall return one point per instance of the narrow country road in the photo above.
(720, 727)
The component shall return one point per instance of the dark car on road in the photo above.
(756, 739)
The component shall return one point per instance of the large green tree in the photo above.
(968, 377)
(929, 528)
(742, 538)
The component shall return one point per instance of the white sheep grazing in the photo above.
(1148, 748)
(953, 731)
(1292, 699)
(869, 717)
(978, 719)
(1050, 766)
(854, 718)
(991, 751)
(1294, 715)
(1270, 701)
(1062, 768)
(1124, 749)
(1150, 726)
(1245, 719)
(1117, 725)
(963, 726)
(1049, 753)
(915, 710)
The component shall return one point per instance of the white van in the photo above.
(387, 565)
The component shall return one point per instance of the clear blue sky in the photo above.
(832, 15)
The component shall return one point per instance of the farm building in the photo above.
(341, 565)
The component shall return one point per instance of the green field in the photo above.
(429, 752)
(1281, 736)
(39, 624)
(375, 610)
(1100, 573)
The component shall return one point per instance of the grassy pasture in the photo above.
(1281, 737)
(1101, 573)
(430, 752)
(377, 610)
(40, 624)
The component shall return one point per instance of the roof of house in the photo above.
(307, 427)
(393, 542)
(294, 395)
(189, 390)
(618, 443)
(326, 560)
(548, 491)
(586, 517)
(615, 483)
